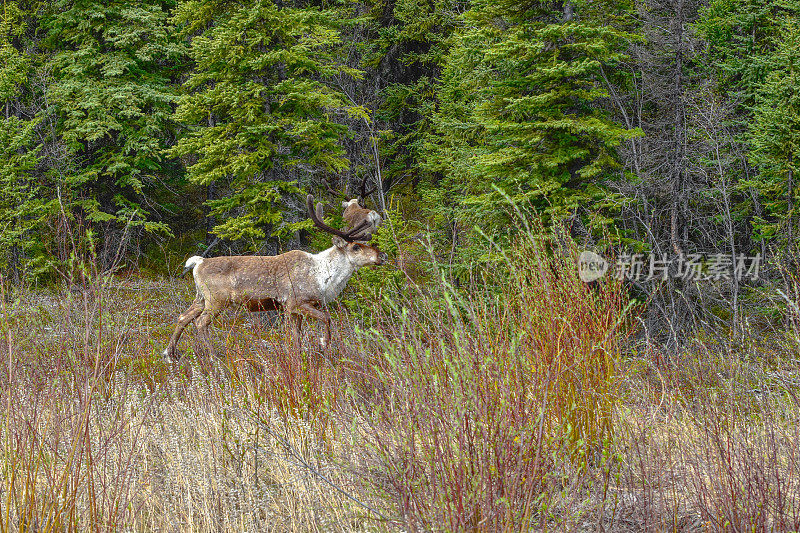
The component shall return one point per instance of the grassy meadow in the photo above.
(527, 401)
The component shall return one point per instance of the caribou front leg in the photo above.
(301, 309)
(296, 325)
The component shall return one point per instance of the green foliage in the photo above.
(23, 210)
(753, 50)
(259, 104)
(23, 206)
(409, 42)
(112, 64)
(518, 115)
(775, 135)
(14, 65)
(741, 34)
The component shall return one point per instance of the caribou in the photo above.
(354, 214)
(298, 282)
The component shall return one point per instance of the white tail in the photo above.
(298, 282)
(193, 262)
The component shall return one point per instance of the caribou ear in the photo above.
(339, 242)
(345, 203)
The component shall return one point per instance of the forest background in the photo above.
(474, 382)
(159, 129)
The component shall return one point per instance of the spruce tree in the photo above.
(260, 107)
(774, 137)
(403, 55)
(752, 55)
(520, 116)
(112, 63)
(23, 206)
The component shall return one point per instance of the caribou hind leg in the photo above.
(202, 323)
(183, 320)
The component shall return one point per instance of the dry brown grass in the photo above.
(530, 408)
(709, 441)
(99, 433)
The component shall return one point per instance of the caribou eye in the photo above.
(356, 247)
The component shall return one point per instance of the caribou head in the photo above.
(298, 282)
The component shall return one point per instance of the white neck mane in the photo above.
(333, 271)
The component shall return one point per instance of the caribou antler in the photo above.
(355, 234)
(363, 190)
(300, 283)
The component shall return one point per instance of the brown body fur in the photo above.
(354, 215)
(296, 281)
